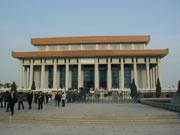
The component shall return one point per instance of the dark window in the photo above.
(50, 77)
(62, 76)
(127, 76)
(74, 69)
(115, 76)
(103, 76)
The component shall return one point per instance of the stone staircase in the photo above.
(84, 119)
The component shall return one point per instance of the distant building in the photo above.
(96, 62)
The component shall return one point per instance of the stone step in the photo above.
(92, 119)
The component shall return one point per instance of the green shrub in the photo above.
(72, 96)
(158, 88)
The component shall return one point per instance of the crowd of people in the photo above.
(8, 99)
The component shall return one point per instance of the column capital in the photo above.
(147, 60)
(31, 62)
(43, 61)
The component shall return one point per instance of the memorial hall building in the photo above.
(95, 62)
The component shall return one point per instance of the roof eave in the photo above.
(90, 39)
(59, 54)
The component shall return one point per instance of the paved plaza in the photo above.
(91, 119)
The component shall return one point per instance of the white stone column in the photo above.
(147, 74)
(67, 74)
(122, 74)
(156, 74)
(109, 78)
(28, 77)
(119, 76)
(96, 74)
(42, 74)
(154, 77)
(135, 71)
(151, 79)
(25, 78)
(79, 75)
(158, 69)
(20, 74)
(31, 74)
(54, 74)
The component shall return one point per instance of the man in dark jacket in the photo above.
(40, 100)
(6, 98)
(30, 98)
(58, 98)
(12, 99)
(1, 99)
(20, 98)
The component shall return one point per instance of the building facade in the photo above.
(95, 62)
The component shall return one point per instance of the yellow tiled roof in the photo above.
(90, 53)
(89, 39)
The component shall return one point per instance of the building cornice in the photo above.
(90, 39)
(91, 53)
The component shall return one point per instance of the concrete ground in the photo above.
(91, 119)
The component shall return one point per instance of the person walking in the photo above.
(47, 97)
(40, 100)
(63, 99)
(12, 99)
(1, 99)
(6, 94)
(30, 98)
(20, 99)
(36, 97)
(58, 99)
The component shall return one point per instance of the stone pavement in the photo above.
(91, 119)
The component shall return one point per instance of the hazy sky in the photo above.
(21, 20)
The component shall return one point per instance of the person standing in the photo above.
(36, 98)
(30, 98)
(63, 99)
(58, 99)
(1, 99)
(20, 99)
(6, 94)
(12, 99)
(47, 97)
(40, 100)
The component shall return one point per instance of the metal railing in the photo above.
(123, 97)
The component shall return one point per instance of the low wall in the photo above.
(152, 94)
(169, 106)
